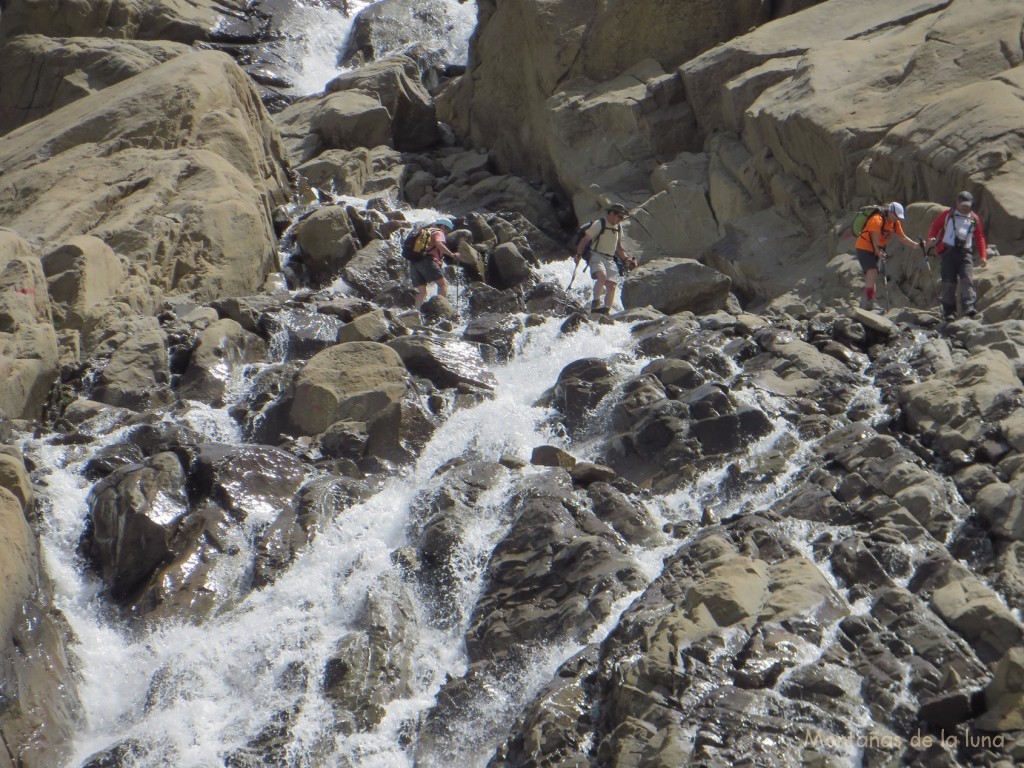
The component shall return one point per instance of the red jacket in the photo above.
(938, 231)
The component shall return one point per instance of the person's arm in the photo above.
(440, 244)
(936, 228)
(980, 245)
(903, 236)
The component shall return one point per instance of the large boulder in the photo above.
(353, 381)
(185, 22)
(177, 168)
(29, 360)
(80, 274)
(138, 374)
(526, 52)
(47, 73)
(40, 701)
(889, 96)
(134, 514)
(676, 285)
(395, 84)
(221, 349)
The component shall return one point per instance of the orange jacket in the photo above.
(876, 223)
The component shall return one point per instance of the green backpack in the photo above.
(862, 217)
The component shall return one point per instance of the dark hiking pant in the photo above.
(957, 264)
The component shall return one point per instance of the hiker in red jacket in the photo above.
(957, 235)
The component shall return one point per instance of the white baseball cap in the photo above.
(897, 209)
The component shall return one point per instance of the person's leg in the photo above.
(870, 280)
(609, 294)
(968, 295)
(421, 295)
(949, 270)
(442, 287)
(869, 264)
(600, 279)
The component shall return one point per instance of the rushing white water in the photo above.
(316, 34)
(217, 684)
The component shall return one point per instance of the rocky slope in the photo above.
(849, 593)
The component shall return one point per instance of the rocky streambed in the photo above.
(256, 510)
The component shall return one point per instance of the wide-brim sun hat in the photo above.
(618, 208)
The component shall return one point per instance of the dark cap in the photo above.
(618, 208)
(965, 197)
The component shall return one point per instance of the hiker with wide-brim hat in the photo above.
(957, 235)
(601, 246)
(429, 270)
(871, 245)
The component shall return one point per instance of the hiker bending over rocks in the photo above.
(871, 243)
(601, 246)
(957, 235)
(428, 269)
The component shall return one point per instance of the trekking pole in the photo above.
(885, 279)
(573, 279)
(931, 275)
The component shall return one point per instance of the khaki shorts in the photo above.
(599, 262)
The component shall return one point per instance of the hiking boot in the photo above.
(595, 306)
(600, 311)
(949, 317)
(867, 304)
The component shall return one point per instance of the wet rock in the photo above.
(373, 326)
(445, 361)
(344, 439)
(374, 664)
(629, 518)
(676, 285)
(219, 351)
(373, 268)
(443, 533)
(586, 473)
(247, 480)
(658, 338)
(498, 331)
(536, 593)
(547, 298)
(485, 301)
(247, 311)
(134, 514)
(299, 334)
(580, 387)
(111, 457)
(508, 268)
(551, 456)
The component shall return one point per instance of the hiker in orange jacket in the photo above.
(957, 235)
(871, 244)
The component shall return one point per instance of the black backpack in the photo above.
(415, 245)
(579, 234)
